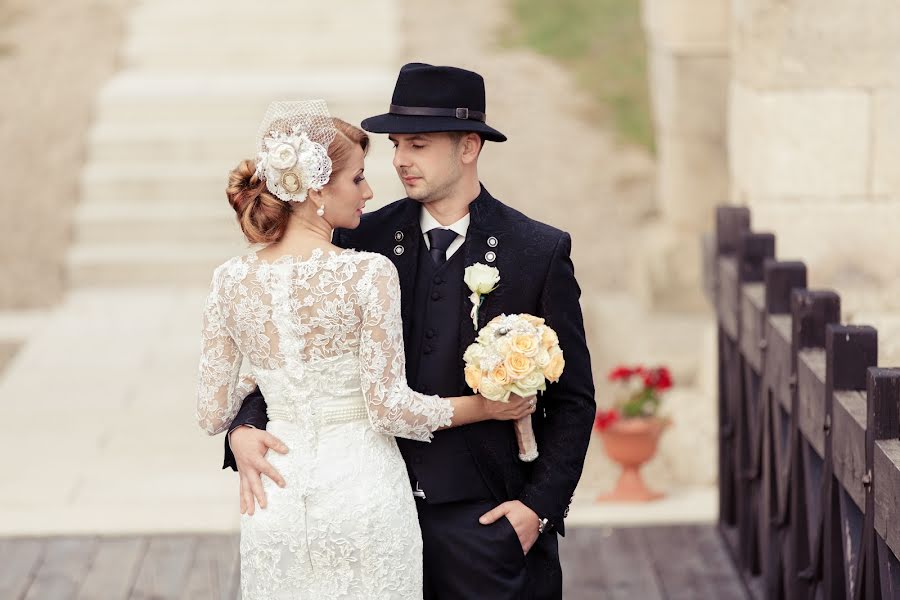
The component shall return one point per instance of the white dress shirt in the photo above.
(461, 227)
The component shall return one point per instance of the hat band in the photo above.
(424, 111)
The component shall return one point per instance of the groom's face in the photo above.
(429, 164)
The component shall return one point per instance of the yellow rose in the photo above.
(549, 339)
(526, 345)
(500, 375)
(518, 366)
(473, 376)
(532, 320)
(555, 369)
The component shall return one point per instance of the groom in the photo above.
(489, 521)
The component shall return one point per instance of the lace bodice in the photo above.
(316, 333)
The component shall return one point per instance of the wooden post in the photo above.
(849, 351)
(781, 279)
(731, 223)
(882, 423)
(812, 312)
(754, 249)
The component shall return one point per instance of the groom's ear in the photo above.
(471, 147)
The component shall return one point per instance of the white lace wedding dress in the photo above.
(324, 342)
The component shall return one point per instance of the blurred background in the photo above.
(628, 122)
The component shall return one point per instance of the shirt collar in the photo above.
(427, 223)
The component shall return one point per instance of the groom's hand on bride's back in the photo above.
(249, 446)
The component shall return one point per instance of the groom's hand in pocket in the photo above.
(524, 520)
(249, 446)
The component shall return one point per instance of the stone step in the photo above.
(182, 58)
(161, 263)
(236, 101)
(296, 12)
(203, 183)
(222, 146)
(621, 332)
(278, 39)
(166, 142)
(172, 221)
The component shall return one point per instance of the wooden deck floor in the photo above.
(683, 563)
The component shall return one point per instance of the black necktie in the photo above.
(439, 240)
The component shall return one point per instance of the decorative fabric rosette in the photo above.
(515, 354)
(293, 148)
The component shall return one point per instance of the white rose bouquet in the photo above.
(515, 354)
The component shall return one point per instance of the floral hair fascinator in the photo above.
(293, 142)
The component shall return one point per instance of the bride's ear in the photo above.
(317, 198)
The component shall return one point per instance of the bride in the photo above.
(320, 330)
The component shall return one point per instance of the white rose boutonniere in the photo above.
(482, 280)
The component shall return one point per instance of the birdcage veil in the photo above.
(293, 145)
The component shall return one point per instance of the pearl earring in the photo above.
(321, 211)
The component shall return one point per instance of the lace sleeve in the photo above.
(394, 409)
(221, 390)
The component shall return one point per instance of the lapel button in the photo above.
(398, 236)
(490, 257)
(398, 250)
(492, 242)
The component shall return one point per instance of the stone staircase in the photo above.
(186, 108)
(104, 384)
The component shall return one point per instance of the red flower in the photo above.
(622, 373)
(605, 418)
(659, 379)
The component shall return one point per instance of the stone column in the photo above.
(689, 66)
(814, 139)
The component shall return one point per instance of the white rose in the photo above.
(282, 157)
(493, 390)
(474, 354)
(534, 381)
(542, 359)
(482, 279)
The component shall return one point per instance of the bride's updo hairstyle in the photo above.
(262, 216)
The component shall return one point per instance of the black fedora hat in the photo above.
(429, 99)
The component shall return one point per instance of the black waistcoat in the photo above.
(445, 469)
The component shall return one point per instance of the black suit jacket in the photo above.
(536, 277)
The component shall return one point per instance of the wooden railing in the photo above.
(809, 451)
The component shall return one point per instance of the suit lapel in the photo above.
(482, 245)
(476, 241)
(403, 250)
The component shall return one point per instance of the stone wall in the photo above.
(58, 54)
(689, 67)
(791, 107)
(814, 141)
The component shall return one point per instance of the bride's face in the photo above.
(346, 194)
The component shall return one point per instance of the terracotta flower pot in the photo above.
(631, 443)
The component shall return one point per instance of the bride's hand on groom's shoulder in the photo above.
(249, 446)
(516, 408)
